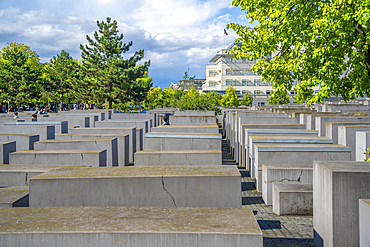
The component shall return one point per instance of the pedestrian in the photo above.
(165, 120)
(16, 115)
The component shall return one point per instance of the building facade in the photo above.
(187, 84)
(225, 71)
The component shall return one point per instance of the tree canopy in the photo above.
(314, 43)
(230, 98)
(110, 77)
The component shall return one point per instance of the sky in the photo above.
(176, 35)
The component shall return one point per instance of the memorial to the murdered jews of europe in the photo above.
(277, 175)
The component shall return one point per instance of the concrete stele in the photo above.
(5, 149)
(364, 219)
(337, 188)
(113, 226)
(170, 186)
(14, 196)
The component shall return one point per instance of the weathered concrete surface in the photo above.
(87, 157)
(303, 154)
(192, 119)
(14, 197)
(182, 141)
(139, 139)
(170, 186)
(322, 120)
(22, 142)
(131, 131)
(151, 116)
(283, 173)
(137, 123)
(45, 132)
(5, 149)
(178, 157)
(186, 129)
(133, 226)
(194, 113)
(364, 219)
(284, 140)
(271, 132)
(347, 137)
(332, 129)
(82, 121)
(122, 144)
(292, 198)
(109, 144)
(362, 143)
(60, 127)
(101, 115)
(337, 188)
(19, 175)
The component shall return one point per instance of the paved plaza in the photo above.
(277, 230)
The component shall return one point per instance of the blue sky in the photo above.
(175, 34)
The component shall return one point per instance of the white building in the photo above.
(226, 71)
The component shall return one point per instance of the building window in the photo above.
(292, 93)
(212, 84)
(212, 73)
(268, 92)
(244, 72)
(235, 82)
(261, 103)
(257, 92)
(244, 82)
(244, 92)
(228, 82)
(257, 82)
(228, 60)
(228, 71)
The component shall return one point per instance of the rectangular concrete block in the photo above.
(129, 226)
(170, 186)
(362, 143)
(364, 219)
(192, 119)
(45, 132)
(109, 144)
(5, 149)
(186, 129)
(81, 121)
(122, 144)
(182, 141)
(332, 129)
(131, 131)
(137, 123)
(150, 116)
(178, 157)
(283, 173)
(194, 113)
(303, 154)
(22, 142)
(14, 197)
(337, 188)
(139, 139)
(61, 127)
(19, 175)
(292, 198)
(347, 137)
(87, 157)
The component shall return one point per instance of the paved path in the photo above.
(277, 230)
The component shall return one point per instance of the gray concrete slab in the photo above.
(122, 144)
(332, 129)
(292, 198)
(109, 144)
(151, 116)
(14, 197)
(295, 154)
(82, 121)
(132, 226)
(322, 120)
(187, 129)
(170, 186)
(85, 157)
(364, 220)
(283, 173)
(178, 157)
(45, 132)
(23, 142)
(191, 119)
(61, 127)
(337, 188)
(5, 149)
(131, 131)
(19, 175)
(182, 141)
(362, 143)
(194, 113)
(347, 137)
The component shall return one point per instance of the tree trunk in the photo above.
(61, 100)
(110, 87)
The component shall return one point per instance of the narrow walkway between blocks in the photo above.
(277, 230)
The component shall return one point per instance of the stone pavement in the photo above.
(277, 230)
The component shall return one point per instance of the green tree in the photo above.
(109, 76)
(247, 99)
(316, 43)
(20, 71)
(60, 75)
(230, 98)
(279, 96)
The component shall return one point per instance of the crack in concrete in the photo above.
(164, 188)
(186, 156)
(26, 179)
(82, 157)
(34, 158)
(96, 144)
(289, 180)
